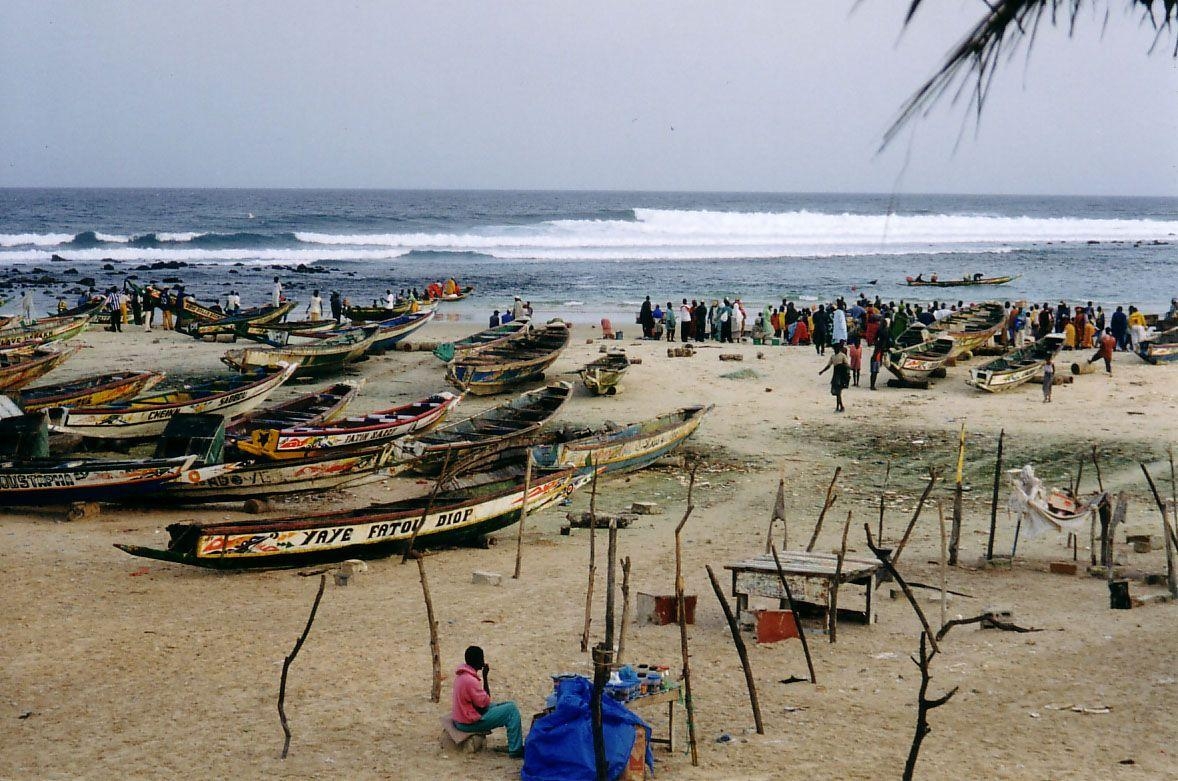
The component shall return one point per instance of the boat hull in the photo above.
(962, 282)
(389, 332)
(25, 368)
(627, 450)
(103, 389)
(313, 360)
(99, 481)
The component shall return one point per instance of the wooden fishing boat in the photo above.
(92, 308)
(458, 296)
(619, 450)
(147, 415)
(46, 329)
(495, 429)
(602, 376)
(391, 331)
(323, 357)
(227, 324)
(349, 433)
(497, 369)
(970, 327)
(451, 517)
(1161, 348)
(490, 337)
(51, 481)
(963, 282)
(916, 363)
(367, 314)
(309, 409)
(89, 391)
(281, 334)
(20, 367)
(1015, 368)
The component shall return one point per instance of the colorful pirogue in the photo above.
(602, 376)
(963, 282)
(325, 356)
(47, 329)
(1017, 367)
(619, 449)
(89, 391)
(19, 367)
(500, 334)
(498, 368)
(1160, 348)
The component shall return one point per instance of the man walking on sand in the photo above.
(1108, 343)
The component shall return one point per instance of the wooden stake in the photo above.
(611, 584)
(286, 663)
(738, 641)
(602, 661)
(443, 476)
(523, 516)
(830, 498)
(625, 610)
(789, 600)
(681, 609)
(778, 515)
(958, 492)
(944, 563)
(1171, 575)
(994, 498)
(932, 479)
(890, 566)
(592, 561)
(832, 617)
(882, 491)
(1119, 514)
(435, 648)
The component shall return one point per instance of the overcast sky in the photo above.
(672, 95)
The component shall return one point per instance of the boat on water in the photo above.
(618, 450)
(451, 517)
(228, 324)
(325, 356)
(309, 409)
(916, 363)
(378, 312)
(457, 295)
(89, 391)
(148, 414)
(489, 337)
(375, 428)
(1016, 368)
(20, 367)
(963, 282)
(389, 332)
(511, 424)
(46, 329)
(602, 376)
(1161, 348)
(498, 368)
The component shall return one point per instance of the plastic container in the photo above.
(654, 682)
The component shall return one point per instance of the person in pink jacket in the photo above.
(473, 710)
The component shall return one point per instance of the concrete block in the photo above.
(1063, 567)
(486, 578)
(646, 508)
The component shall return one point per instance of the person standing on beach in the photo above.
(1119, 326)
(877, 358)
(315, 307)
(669, 321)
(685, 321)
(148, 307)
(233, 302)
(1048, 379)
(1108, 343)
(115, 310)
(518, 309)
(337, 309)
(855, 357)
(26, 305)
(136, 304)
(821, 330)
(178, 307)
(645, 319)
(839, 324)
(276, 293)
(699, 318)
(840, 377)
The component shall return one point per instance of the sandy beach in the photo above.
(113, 665)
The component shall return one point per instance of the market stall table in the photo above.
(670, 696)
(811, 576)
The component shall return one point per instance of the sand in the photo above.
(117, 666)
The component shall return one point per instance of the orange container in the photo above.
(775, 625)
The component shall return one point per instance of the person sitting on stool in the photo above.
(473, 710)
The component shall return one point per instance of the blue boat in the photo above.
(389, 332)
(498, 368)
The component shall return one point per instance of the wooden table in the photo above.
(810, 576)
(671, 698)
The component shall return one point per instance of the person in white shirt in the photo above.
(232, 302)
(276, 293)
(685, 321)
(26, 305)
(738, 319)
(389, 300)
(315, 308)
(517, 309)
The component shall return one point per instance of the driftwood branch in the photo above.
(625, 611)
(932, 479)
(994, 498)
(989, 618)
(592, 562)
(286, 663)
(435, 649)
(523, 516)
(789, 600)
(833, 611)
(891, 568)
(826, 505)
(443, 476)
(924, 704)
(741, 650)
(681, 609)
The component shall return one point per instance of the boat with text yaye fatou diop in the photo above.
(976, 279)
(1013, 369)
(393, 330)
(602, 376)
(488, 337)
(19, 367)
(88, 391)
(1159, 348)
(375, 428)
(146, 415)
(228, 324)
(36, 479)
(379, 312)
(310, 409)
(511, 424)
(497, 369)
(47, 329)
(325, 356)
(464, 514)
(916, 363)
(216, 477)
(619, 449)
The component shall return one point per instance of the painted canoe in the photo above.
(916, 363)
(490, 337)
(497, 369)
(1162, 348)
(602, 376)
(970, 327)
(45, 481)
(361, 431)
(47, 329)
(20, 367)
(963, 282)
(621, 450)
(376, 312)
(1016, 368)
(89, 391)
(391, 331)
(309, 409)
(456, 516)
(323, 357)
(148, 415)
(281, 334)
(240, 480)
(456, 296)
(227, 324)
(498, 428)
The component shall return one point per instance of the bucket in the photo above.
(776, 625)
(776, 342)
(1118, 595)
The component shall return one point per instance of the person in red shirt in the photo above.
(472, 709)
(1108, 343)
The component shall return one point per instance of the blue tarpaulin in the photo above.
(560, 745)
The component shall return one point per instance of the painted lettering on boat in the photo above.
(327, 536)
(37, 480)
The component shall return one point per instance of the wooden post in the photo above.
(1171, 575)
(738, 641)
(523, 516)
(958, 490)
(832, 617)
(830, 497)
(286, 663)
(611, 584)
(789, 600)
(435, 648)
(994, 498)
(944, 562)
(932, 479)
(429, 505)
(625, 610)
(1119, 513)
(681, 609)
(883, 489)
(592, 561)
(602, 660)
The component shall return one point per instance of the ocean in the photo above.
(583, 255)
